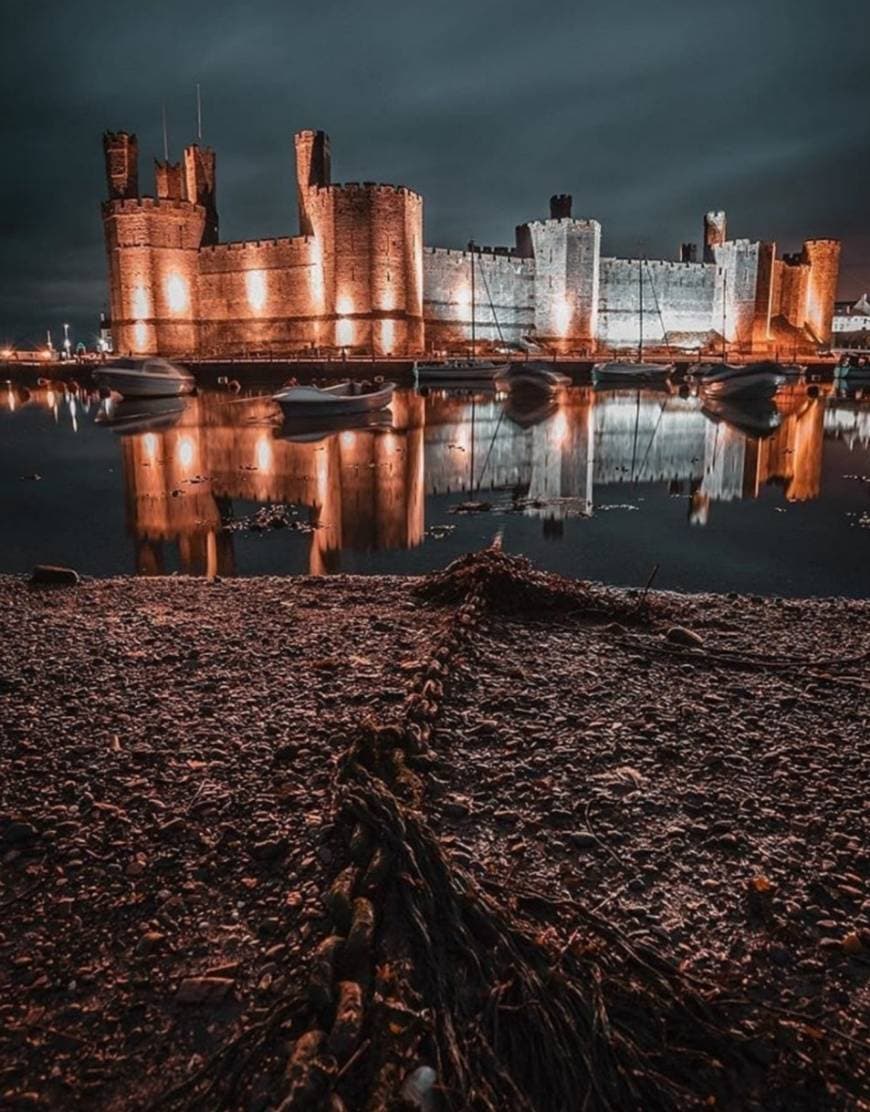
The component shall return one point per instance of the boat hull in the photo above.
(758, 386)
(532, 377)
(139, 384)
(458, 372)
(630, 374)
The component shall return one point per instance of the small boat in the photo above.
(330, 401)
(145, 378)
(309, 429)
(853, 369)
(535, 376)
(458, 370)
(754, 381)
(623, 373)
(135, 415)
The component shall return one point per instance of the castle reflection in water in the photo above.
(365, 489)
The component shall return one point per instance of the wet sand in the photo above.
(167, 747)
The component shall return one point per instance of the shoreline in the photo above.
(172, 747)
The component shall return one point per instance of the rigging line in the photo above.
(491, 306)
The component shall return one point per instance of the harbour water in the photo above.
(595, 484)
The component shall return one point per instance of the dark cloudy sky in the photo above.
(648, 112)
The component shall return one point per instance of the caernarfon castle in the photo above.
(358, 278)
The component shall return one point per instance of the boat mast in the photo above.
(724, 312)
(165, 136)
(473, 335)
(640, 304)
(198, 114)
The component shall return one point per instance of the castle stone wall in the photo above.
(678, 302)
(256, 296)
(567, 276)
(504, 297)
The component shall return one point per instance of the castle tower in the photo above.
(715, 234)
(168, 180)
(313, 169)
(567, 255)
(560, 206)
(121, 152)
(153, 248)
(823, 257)
(200, 187)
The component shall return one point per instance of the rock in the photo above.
(203, 990)
(17, 832)
(54, 575)
(583, 839)
(418, 1088)
(682, 636)
(457, 807)
(269, 849)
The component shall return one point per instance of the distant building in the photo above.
(851, 328)
(358, 278)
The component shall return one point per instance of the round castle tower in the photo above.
(823, 256)
(369, 245)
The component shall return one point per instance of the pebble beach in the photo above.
(167, 748)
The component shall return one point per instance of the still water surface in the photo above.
(601, 485)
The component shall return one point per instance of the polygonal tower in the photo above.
(152, 246)
(715, 234)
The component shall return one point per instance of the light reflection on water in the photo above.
(603, 484)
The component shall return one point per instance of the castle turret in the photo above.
(560, 206)
(121, 152)
(313, 169)
(200, 187)
(168, 180)
(715, 234)
(823, 257)
(567, 256)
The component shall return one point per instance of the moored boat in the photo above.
(458, 370)
(343, 398)
(145, 378)
(624, 373)
(756, 419)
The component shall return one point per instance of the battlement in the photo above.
(506, 257)
(149, 204)
(367, 187)
(246, 244)
(560, 221)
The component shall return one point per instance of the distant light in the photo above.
(6, 353)
(140, 335)
(558, 429)
(149, 446)
(348, 439)
(255, 284)
(176, 293)
(344, 305)
(388, 336)
(463, 297)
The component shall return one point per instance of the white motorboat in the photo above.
(331, 401)
(754, 381)
(145, 378)
(624, 373)
(458, 370)
(536, 376)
